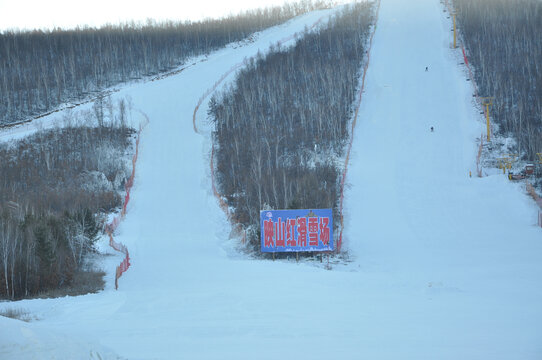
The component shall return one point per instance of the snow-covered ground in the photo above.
(444, 266)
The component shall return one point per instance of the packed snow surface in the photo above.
(443, 266)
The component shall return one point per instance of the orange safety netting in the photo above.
(112, 226)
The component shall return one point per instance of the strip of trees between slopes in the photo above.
(281, 128)
(504, 43)
(55, 191)
(41, 69)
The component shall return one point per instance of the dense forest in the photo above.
(503, 41)
(282, 126)
(43, 68)
(56, 189)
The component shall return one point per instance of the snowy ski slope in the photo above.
(443, 266)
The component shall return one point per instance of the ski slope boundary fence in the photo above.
(354, 122)
(112, 226)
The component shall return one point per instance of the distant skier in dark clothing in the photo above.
(427, 68)
(432, 129)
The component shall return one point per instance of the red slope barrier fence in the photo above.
(354, 122)
(112, 226)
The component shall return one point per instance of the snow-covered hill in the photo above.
(444, 266)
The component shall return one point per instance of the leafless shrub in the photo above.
(18, 314)
(84, 282)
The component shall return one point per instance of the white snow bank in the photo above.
(24, 341)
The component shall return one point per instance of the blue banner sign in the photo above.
(296, 230)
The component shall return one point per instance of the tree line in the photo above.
(503, 39)
(56, 188)
(282, 126)
(41, 69)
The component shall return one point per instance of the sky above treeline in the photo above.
(48, 14)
